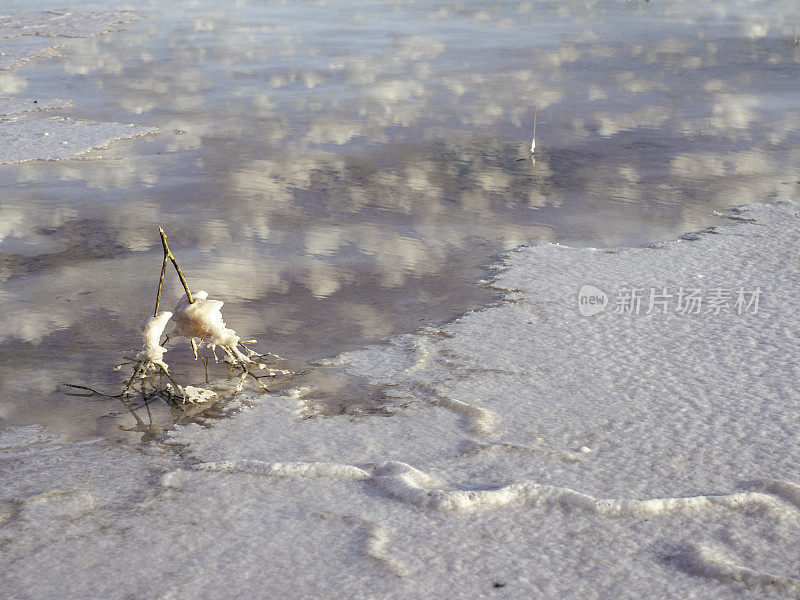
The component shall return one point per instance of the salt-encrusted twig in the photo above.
(198, 319)
(202, 321)
(151, 357)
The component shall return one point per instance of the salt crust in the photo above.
(14, 57)
(198, 320)
(414, 486)
(152, 330)
(202, 319)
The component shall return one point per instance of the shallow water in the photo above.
(339, 173)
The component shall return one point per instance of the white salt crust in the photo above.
(203, 319)
(152, 330)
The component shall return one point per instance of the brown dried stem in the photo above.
(160, 283)
(168, 255)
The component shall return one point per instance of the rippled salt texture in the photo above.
(61, 23)
(523, 448)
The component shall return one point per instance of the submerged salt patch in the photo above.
(62, 23)
(50, 24)
(203, 319)
(19, 437)
(14, 57)
(41, 139)
(18, 106)
(31, 139)
(196, 395)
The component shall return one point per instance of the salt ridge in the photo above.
(404, 482)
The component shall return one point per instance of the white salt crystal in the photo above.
(152, 330)
(203, 319)
(195, 395)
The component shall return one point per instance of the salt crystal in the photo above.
(195, 395)
(203, 319)
(152, 329)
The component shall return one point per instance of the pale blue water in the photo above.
(341, 172)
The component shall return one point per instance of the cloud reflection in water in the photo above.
(339, 172)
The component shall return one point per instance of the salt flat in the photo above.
(523, 449)
(526, 449)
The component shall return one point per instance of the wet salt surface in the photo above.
(340, 174)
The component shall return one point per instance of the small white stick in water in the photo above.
(533, 141)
